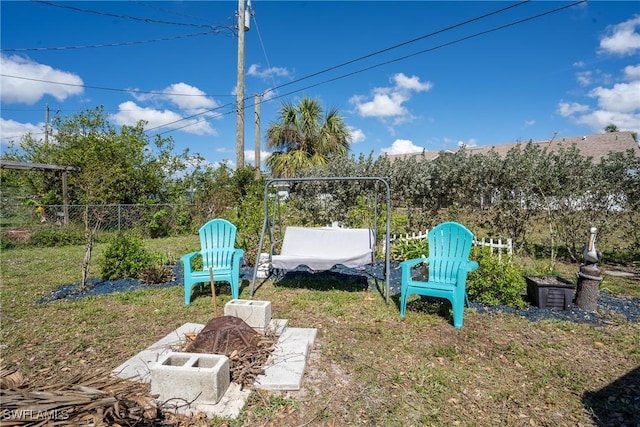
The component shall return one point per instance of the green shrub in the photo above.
(58, 236)
(156, 273)
(404, 249)
(124, 257)
(159, 225)
(495, 282)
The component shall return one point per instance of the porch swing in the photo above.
(320, 248)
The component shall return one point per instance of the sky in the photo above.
(405, 76)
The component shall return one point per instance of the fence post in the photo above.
(119, 217)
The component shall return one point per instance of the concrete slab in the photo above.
(229, 406)
(286, 365)
(284, 370)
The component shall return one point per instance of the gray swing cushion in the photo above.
(322, 248)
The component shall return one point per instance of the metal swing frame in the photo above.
(267, 225)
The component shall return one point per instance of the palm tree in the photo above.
(303, 138)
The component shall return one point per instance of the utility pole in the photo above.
(256, 135)
(46, 124)
(240, 88)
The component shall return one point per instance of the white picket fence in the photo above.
(497, 246)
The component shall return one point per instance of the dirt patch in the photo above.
(17, 236)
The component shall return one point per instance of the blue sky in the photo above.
(406, 76)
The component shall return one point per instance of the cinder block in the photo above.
(256, 314)
(191, 377)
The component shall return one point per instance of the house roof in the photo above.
(596, 146)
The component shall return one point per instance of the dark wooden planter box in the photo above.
(550, 291)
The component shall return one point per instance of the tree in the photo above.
(611, 128)
(303, 138)
(114, 166)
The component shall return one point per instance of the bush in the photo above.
(124, 257)
(159, 225)
(495, 282)
(156, 273)
(404, 249)
(59, 236)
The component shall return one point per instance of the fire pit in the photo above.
(550, 291)
(247, 350)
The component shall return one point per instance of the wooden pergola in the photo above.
(6, 164)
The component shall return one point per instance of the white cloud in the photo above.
(599, 119)
(357, 135)
(130, 113)
(411, 83)
(22, 91)
(388, 103)
(13, 131)
(250, 156)
(254, 71)
(402, 146)
(186, 100)
(622, 97)
(566, 109)
(528, 123)
(623, 38)
(384, 104)
(632, 72)
(584, 78)
(617, 98)
(619, 105)
(182, 95)
(185, 97)
(269, 94)
(226, 150)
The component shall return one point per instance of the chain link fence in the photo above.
(152, 220)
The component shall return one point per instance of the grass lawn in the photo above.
(368, 368)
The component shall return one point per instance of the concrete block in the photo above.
(191, 377)
(138, 368)
(256, 314)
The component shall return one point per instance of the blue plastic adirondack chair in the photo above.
(217, 241)
(448, 264)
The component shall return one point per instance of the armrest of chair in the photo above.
(463, 270)
(410, 263)
(405, 269)
(238, 254)
(468, 266)
(186, 261)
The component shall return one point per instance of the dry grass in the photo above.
(368, 368)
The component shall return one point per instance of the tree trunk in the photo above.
(589, 279)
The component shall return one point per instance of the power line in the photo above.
(171, 12)
(108, 88)
(27, 49)
(501, 27)
(115, 15)
(451, 27)
(255, 21)
(274, 89)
